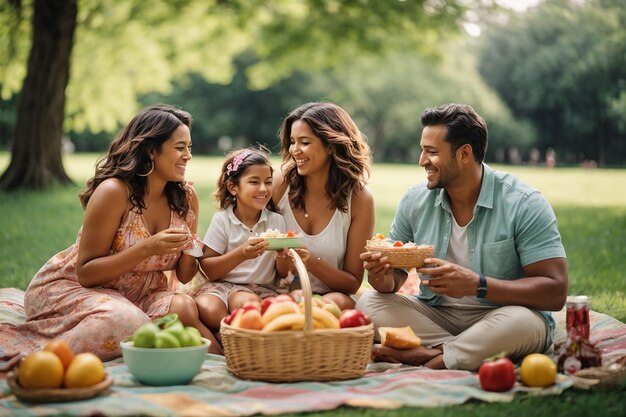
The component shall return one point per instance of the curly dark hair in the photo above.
(350, 157)
(464, 126)
(234, 166)
(128, 156)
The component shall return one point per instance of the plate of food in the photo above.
(400, 254)
(278, 240)
(52, 395)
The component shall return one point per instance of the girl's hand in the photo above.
(168, 241)
(254, 247)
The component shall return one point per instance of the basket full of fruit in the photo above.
(284, 341)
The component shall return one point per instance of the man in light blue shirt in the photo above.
(499, 264)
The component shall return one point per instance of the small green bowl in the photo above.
(161, 366)
(277, 243)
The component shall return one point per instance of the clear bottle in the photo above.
(578, 352)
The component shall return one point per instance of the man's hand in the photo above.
(379, 272)
(447, 278)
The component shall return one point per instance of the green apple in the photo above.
(178, 330)
(167, 320)
(145, 336)
(194, 335)
(166, 340)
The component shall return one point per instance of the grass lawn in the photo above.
(590, 209)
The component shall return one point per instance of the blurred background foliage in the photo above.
(553, 76)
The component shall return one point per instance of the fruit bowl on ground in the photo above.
(164, 366)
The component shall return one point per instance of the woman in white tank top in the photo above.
(323, 197)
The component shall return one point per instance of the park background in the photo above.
(547, 78)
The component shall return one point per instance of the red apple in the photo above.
(231, 316)
(353, 318)
(266, 303)
(497, 375)
(251, 319)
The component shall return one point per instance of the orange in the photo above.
(85, 370)
(41, 369)
(62, 350)
(537, 370)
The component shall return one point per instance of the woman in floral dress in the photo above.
(139, 218)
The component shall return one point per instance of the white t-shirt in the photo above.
(458, 252)
(226, 233)
(330, 244)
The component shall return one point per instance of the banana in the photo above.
(333, 308)
(315, 301)
(284, 322)
(318, 301)
(298, 325)
(326, 318)
(318, 324)
(279, 309)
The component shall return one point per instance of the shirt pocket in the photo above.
(500, 260)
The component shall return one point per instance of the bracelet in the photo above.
(481, 292)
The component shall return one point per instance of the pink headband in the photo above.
(234, 166)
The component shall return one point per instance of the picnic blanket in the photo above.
(216, 392)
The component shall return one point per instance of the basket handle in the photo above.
(307, 293)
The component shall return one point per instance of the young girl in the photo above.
(235, 261)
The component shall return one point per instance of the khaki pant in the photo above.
(469, 334)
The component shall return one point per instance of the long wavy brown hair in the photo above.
(350, 155)
(128, 156)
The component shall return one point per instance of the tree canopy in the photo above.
(121, 50)
(563, 66)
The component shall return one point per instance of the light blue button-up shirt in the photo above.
(513, 226)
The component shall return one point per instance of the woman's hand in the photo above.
(168, 241)
(305, 256)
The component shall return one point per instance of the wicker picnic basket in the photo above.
(298, 355)
(401, 257)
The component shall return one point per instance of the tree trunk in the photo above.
(36, 153)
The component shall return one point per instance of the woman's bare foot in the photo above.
(415, 356)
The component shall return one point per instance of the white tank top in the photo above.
(329, 245)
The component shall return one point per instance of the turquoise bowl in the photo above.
(161, 366)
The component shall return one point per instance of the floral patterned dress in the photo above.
(94, 319)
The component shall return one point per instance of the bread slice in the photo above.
(399, 337)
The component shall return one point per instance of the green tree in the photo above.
(232, 115)
(40, 110)
(122, 50)
(388, 104)
(563, 66)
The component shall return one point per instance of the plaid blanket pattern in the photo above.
(215, 392)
